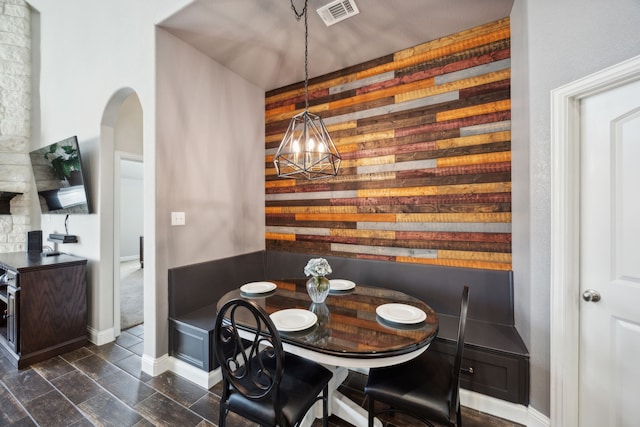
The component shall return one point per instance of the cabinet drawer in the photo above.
(494, 373)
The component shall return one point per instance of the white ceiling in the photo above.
(262, 41)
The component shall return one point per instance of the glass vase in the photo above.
(318, 288)
(322, 333)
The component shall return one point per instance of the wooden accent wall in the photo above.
(425, 140)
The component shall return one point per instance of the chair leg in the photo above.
(222, 417)
(325, 406)
(370, 410)
(459, 417)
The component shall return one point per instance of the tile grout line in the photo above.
(145, 383)
(103, 388)
(20, 403)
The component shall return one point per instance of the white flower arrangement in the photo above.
(317, 267)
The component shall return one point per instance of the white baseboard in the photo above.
(195, 375)
(520, 414)
(129, 258)
(101, 337)
(155, 367)
(537, 419)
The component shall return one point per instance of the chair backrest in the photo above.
(249, 350)
(457, 365)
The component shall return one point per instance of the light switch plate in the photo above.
(177, 218)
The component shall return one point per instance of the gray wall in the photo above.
(555, 42)
(209, 164)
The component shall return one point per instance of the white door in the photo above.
(609, 365)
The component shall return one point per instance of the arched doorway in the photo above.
(121, 138)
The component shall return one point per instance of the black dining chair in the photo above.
(260, 381)
(426, 388)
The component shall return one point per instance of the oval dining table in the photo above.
(348, 333)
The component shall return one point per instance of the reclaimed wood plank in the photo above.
(346, 217)
(457, 263)
(493, 187)
(305, 247)
(485, 138)
(457, 227)
(368, 234)
(280, 236)
(437, 208)
(476, 256)
(273, 220)
(455, 217)
(474, 159)
(475, 110)
(467, 169)
(451, 236)
(480, 199)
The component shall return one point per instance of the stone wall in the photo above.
(15, 111)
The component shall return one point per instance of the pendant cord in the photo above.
(306, 150)
(306, 50)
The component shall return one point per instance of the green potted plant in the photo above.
(64, 159)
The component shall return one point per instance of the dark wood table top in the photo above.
(348, 326)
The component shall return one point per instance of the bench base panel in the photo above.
(497, 374)
(190, 344)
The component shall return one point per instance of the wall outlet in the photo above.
(177, 218)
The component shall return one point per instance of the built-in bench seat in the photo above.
(496, 361)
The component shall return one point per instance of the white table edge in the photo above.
(353, 361)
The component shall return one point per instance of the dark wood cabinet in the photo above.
(44, 305)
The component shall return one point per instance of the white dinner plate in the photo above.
(401, 313)
(293, 319)
(341, 285)
(258, 287)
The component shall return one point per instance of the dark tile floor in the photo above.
(104, 386)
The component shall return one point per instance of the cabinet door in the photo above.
(13, 318)
(53, 307)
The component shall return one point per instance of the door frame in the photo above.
(565, 233)
(118, 157)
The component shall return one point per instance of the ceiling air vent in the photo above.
(337, 11)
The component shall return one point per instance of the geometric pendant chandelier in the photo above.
(306, 151)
